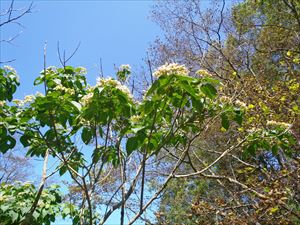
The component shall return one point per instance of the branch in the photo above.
(214, 162)
(10, 10)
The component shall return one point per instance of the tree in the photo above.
(115, 127)
(13, 168)
(253, 49)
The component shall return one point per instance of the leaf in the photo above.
(131, 144)
(209, 90)
(251, 149)
(225, 121)
(188, 89)
(38, 80)
(77, 105)
(238, 117)
(96, 155)
(69, 70)
(4, 208)
(275, 149)
(148, 107)
(14, 216)
(7, 143)
(86, 135)
(62, 170)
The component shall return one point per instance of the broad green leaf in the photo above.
(209, 90)
(131, 145)
(63, 170)
(225, 121)
(86, 135)
(77, 105)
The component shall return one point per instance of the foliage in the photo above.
(253, 49)
(16, 201)
(164, 118)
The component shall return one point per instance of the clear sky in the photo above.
(118, 32)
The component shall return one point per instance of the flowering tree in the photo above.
(109, 142)
(120, 134)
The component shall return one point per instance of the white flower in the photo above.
(225, 99)
(125, 67)
(49, 69)
(240, 104)
(2, 103)
(18, 102)
(279, 124)
(172, 68)
(81, 70)
(85, 100)
(254, 130)
(29, 99)
(135, 118)
(203, 73)
(10, 69)
(39, 94)
(102, 82)
(60, 87)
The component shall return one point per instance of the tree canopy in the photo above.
(213, 140)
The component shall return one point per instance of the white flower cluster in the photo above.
(49, 69)
(225, 99)
(135, 118)
(101, 82)
(279, 124)
(172, 68)
(18, 102)
(254, 130)
(125, 67)
(39, 94)
(2, 103)
(10, 69)
(81, 70)
(29, 99)
(85, 100)
(240, 104)
(203, 73)
(60, 87)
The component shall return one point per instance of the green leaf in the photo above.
(96, 155)
(7, 143)
(69, 70)
(86, 135)
(275, 149)
(14, 216)
(38, 80)
(131, 144)
(63, 170)
(209, 90)
(251, 149)
(4, 208)
(225, 121)
(77, 105)
(238, 117)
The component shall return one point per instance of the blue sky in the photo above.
(118, 32)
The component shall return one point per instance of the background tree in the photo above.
(249, 47)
